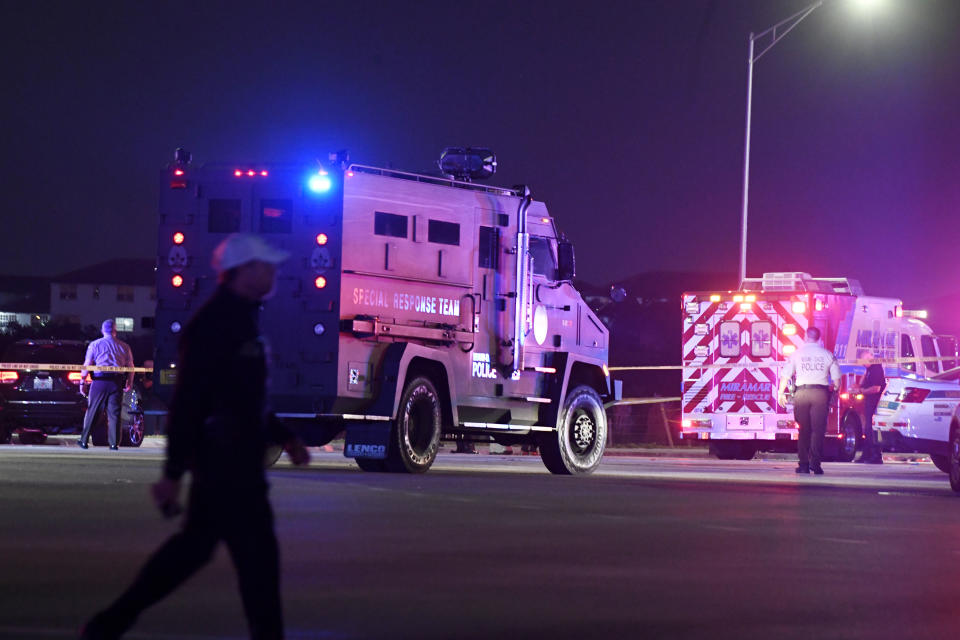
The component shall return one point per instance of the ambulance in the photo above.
(736, 343)
(414, 308)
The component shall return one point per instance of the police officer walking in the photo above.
(815, 369)
(219, 431)
(107, 388)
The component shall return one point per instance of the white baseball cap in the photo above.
(240, 248)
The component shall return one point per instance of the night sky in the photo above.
(627, 119)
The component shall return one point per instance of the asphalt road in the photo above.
(494, 546)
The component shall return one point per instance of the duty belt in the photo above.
(108, 376)
(813, 386)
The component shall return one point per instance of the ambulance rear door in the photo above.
(701, 313)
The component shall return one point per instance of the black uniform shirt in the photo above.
(872, 377)
(217, 427)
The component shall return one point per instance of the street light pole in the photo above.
(784, 27)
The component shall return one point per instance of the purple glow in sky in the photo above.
(627, 118)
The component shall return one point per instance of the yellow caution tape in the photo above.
(769, 365)
(43, 366)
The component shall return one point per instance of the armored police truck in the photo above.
(413, 309)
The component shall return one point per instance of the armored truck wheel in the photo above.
(415, 436)
(577, 445)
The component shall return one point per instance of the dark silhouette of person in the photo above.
(219, 431)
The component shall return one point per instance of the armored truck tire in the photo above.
(576, 447)
(955, 458)
(415, 434)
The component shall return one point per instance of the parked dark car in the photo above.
(38, 402)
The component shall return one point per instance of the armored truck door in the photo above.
(492, 306)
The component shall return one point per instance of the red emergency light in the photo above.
(320, 282)
(322, 239)
(239, 173)
(8, 377)
(75, 377)
(177, 280)
(178, 237)
(178, 181)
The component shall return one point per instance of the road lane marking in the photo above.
(843, 540)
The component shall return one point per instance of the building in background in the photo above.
(24, 302)
(122, 289)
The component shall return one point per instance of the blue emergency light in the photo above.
(320, 183)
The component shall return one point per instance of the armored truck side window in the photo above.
(489, 249)
(224, 216)
(390, 224)
(443, 232)
(276, 216)
(544, 263)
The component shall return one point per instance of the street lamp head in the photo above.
(868, 6)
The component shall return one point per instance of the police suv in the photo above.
(414, 308)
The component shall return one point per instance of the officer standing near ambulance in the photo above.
(218, 430)
(817, 374)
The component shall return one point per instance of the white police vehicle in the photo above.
(921, 415)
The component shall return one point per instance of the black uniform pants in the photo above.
(810, 408)
(106, 392)
(243, 520)
(871, 445)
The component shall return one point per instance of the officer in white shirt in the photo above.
(817, 374)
